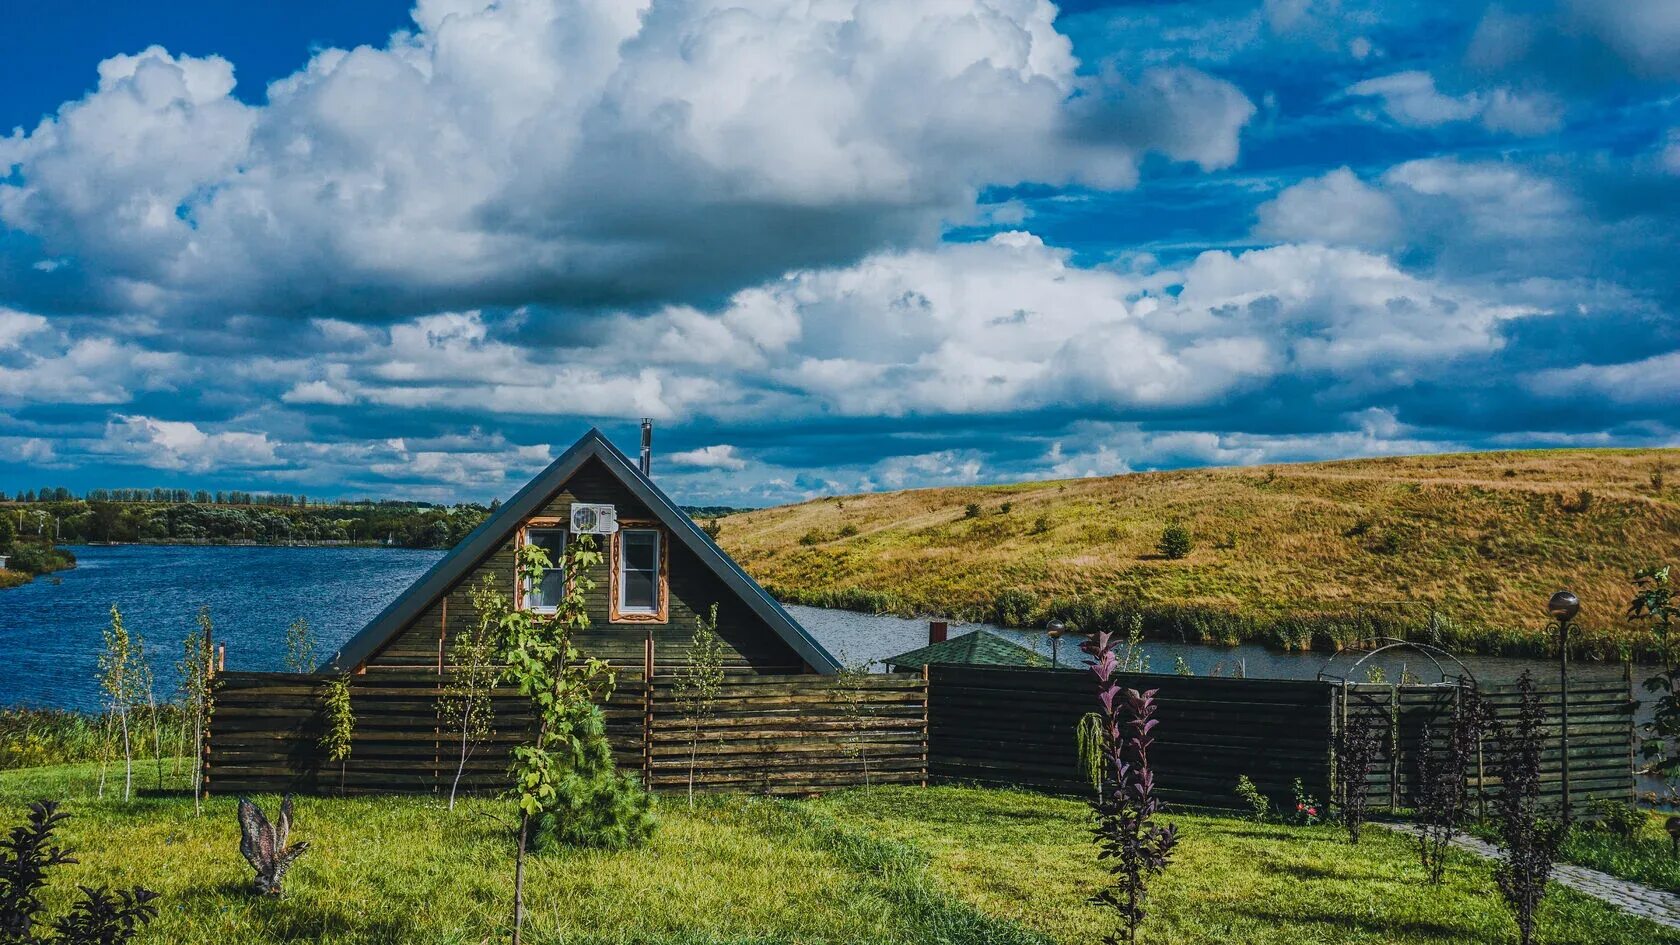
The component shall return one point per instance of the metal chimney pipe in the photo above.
(647, 446)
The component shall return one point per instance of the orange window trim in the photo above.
(540, 521)
(663, 614)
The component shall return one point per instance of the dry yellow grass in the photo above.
(1301, 554)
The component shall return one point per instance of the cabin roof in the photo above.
(488, 536)
(982, 647)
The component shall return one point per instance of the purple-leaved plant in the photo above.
(1130, 844)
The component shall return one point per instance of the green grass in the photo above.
(34, 737)
(1297, 556)
(1647, 858)
(941, 865)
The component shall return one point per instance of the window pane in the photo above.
(552, 585)
(638, 570)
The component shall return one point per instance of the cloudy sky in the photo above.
(828, 245)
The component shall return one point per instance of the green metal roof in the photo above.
(982, 647)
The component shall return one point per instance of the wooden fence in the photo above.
(772, 734)
(1017, 727)
(1601, 742)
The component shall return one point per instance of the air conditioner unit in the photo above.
(591, 519)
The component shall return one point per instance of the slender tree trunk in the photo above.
(519, 877)
(198, 762)
(460, 767)
(157, 738)
(128, 759)
(104, 752)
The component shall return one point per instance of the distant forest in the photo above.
(180, 516)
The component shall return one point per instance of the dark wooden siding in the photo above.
(751, 646)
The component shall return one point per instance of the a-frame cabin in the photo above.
(660, 573)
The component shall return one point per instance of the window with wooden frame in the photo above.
(543, 594)
(639, 592)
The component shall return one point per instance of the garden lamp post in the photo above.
(1563, 607)
(1054, 630)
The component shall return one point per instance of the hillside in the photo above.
(1463, 549)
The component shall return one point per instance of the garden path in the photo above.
(1634, 898)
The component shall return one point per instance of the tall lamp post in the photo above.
(1055, 630)
(1563, 607)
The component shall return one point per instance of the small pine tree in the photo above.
(1175, 542)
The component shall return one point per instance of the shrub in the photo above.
(99, 917)
(1307, 809)
(32, 557)
(1530, 840)
(1014, 607)
(1356, 750)
(1005, 507)
(1443, 779)
(1618, 818)
(1175, 542)
(847, 530)
(1041, 525)
(713, 528)
(812, 537)
(972, 510)
(1132, 846)
(1250, 795)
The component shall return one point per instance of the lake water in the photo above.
(50, 629)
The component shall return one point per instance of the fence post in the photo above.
(926, 692)
(1394, 748)
(647, 711)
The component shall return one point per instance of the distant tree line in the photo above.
(200, 497)
(411, 525)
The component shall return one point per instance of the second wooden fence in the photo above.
(770, 734)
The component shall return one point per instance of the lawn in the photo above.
(950, 865)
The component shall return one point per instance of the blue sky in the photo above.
(860, 244)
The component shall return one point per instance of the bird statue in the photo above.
(264, 844)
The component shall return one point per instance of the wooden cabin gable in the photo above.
(690, 590)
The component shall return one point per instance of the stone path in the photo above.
(1634, 898)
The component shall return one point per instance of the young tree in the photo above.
(145, 691)
(853, 697)
(1175, 541)
(699, 684)
(564, 781)
(1356, 750)
(194, 670)
(465, 703)
(1530, 839)
(117, 677)
(300, 647)
(1443, 778)
(341, 726)
(1654, 601)
(1130, 842)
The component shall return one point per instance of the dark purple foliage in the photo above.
(1357, 745)
(101, 917)
(1530, 839)
(1443, 780)
(1129, 842)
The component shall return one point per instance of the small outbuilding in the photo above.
(978, 648)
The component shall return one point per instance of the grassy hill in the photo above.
(1462, 549)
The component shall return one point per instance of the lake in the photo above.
(50, 629)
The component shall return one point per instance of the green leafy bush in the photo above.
(1175, 542)
(1618, 818)
(1250, 795)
